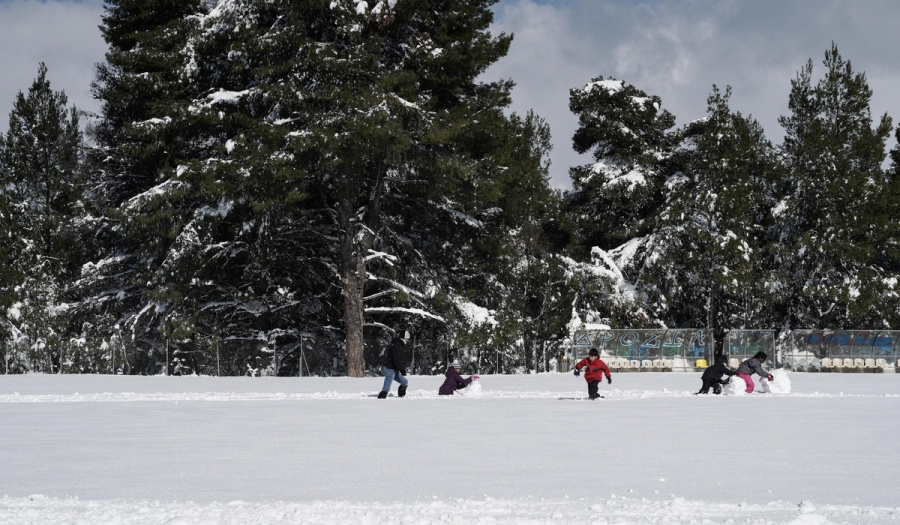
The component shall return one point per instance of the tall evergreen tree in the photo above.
(828, 217)
(627, 133)
(40, 191)
(703, 261)
(281, 145)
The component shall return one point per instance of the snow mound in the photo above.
(735, 387)
(53, 511)
(780, 383)
(811, 519)
(473, 389)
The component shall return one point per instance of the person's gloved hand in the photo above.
(403, 372)
(770, 377)
(475, 378)
(577, 372)
(609, 379)
(727, 381)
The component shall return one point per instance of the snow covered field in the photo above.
(526, 449)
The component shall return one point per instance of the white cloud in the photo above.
(672, 48)
(64, 35)
(678, 49)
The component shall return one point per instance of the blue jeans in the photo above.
(390, 375)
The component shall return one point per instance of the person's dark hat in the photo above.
(761, 356)
(594, 352)
(722, 358)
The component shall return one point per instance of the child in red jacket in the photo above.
(595, 368)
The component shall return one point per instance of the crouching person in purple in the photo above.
(753, 366)
(454, 381)
(394, 366)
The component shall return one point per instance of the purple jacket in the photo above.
(453, 382)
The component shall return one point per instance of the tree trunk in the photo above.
(356, 241)
(353, 277)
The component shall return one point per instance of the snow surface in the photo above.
(512, 449)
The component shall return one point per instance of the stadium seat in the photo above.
(880, 365)
(669, 363)
(859, 362)
(701, 363)
(646, 363)
(826, 364)
(635, 364)
(843, 365)
(837, 365)
(868, 365)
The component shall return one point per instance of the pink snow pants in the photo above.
(749, 380)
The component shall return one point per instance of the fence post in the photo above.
(218, 363)
(274, 362)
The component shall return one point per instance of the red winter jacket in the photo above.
(593, 370)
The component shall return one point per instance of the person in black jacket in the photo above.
(393, 361)
(712, 376)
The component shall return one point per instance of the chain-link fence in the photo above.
(432, 357)
(324, 355)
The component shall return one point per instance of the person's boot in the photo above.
(382, 395)
(401, 391)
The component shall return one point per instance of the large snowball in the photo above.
(735, 387)
(780, 383)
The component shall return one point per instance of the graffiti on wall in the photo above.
(646, 344)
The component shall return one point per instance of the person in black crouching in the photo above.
(712, 376)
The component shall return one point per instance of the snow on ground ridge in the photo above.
(413, 394)
(615, 509)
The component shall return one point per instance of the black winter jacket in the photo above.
(716, 371)
(394, 356)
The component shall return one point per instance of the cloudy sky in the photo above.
(676, 49)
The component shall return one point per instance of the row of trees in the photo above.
(265, 174)
(271, 176)
(715, 227)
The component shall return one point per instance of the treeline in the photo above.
(271, 176)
